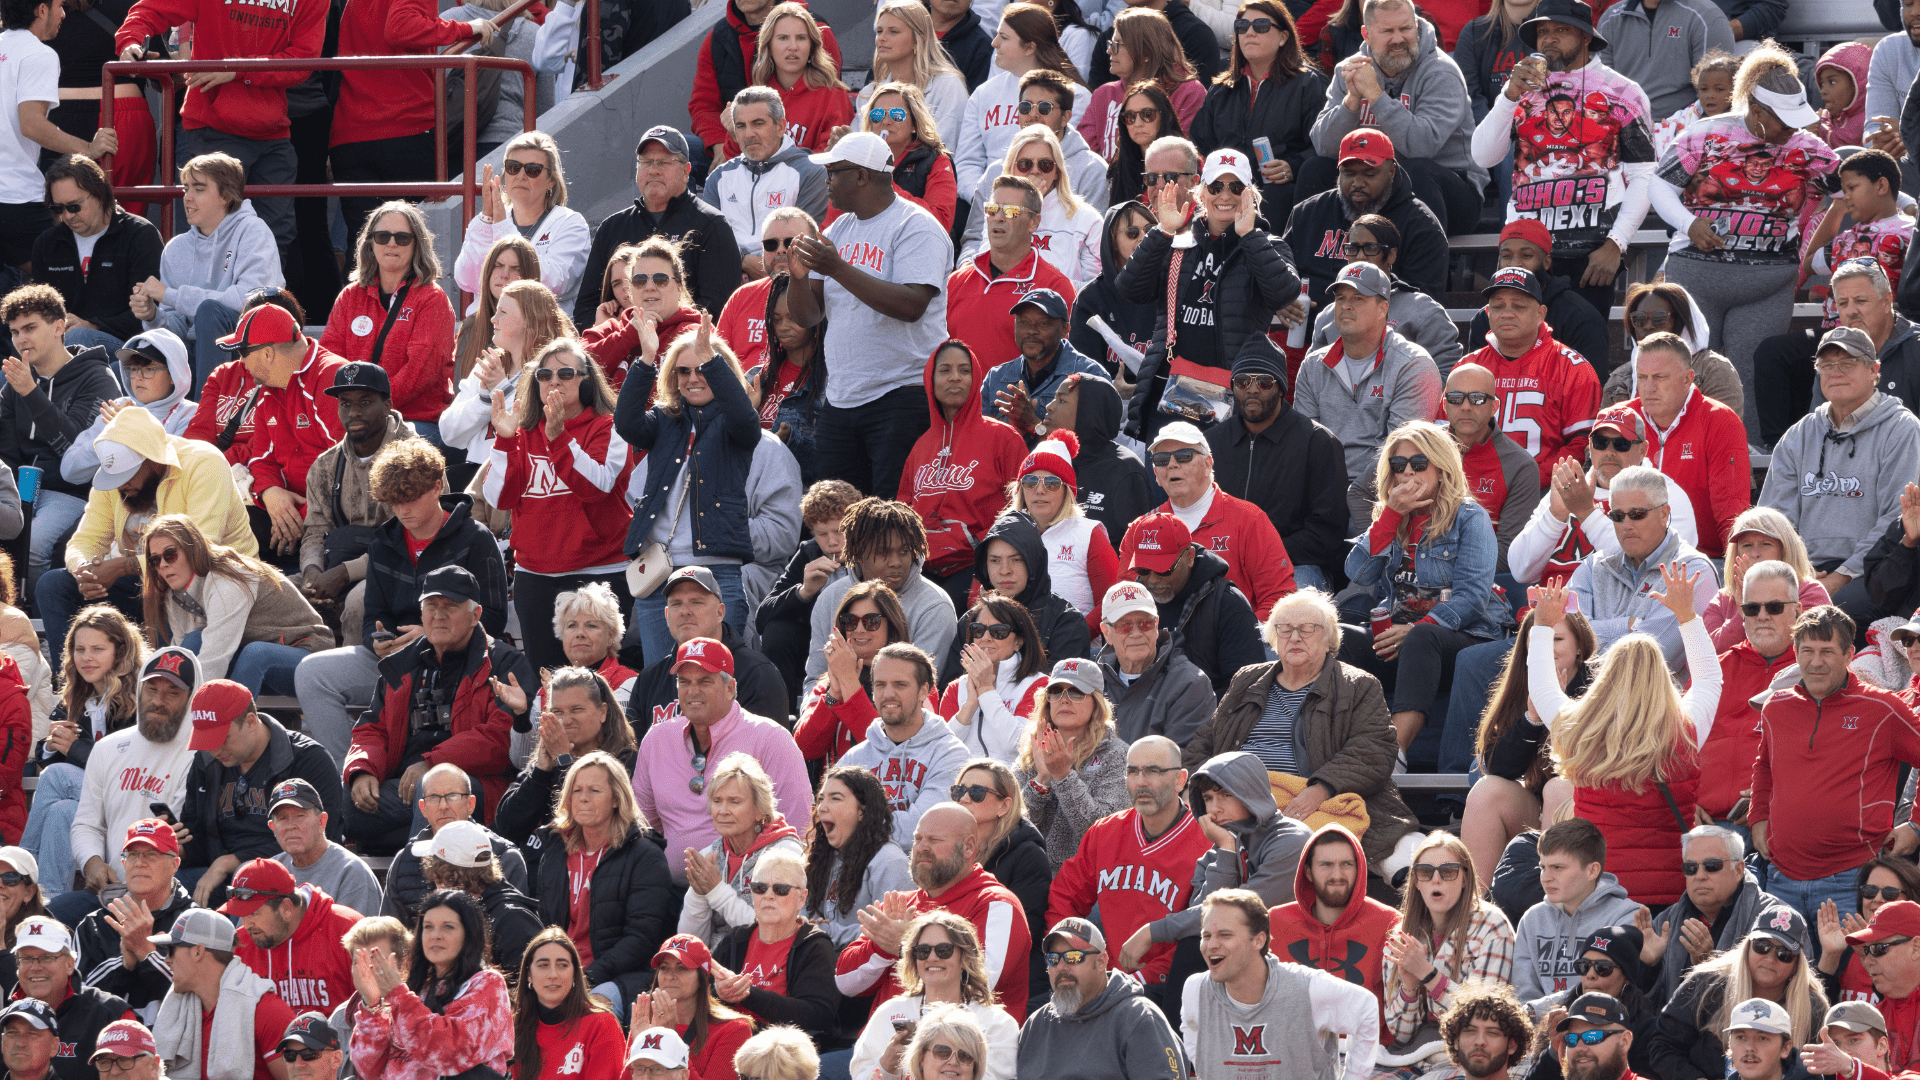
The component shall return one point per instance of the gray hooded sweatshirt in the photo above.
(1413, 315)
(930, 615)
(79, 463)
(237, 258)
(1402, 384)
(1658, 48)
(1269, 845)
(1119, 1033)
(1841, 489)
(1426, 112)
(916, 773)
(1617, 594)
(1548, 940)
(1172, 697)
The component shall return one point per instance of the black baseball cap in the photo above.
(1518, 278)
(1048, 301)
(295, 792)
(666, 135)
(452, 582)
(1595, 1008)
(361, 375)
(312, 1031)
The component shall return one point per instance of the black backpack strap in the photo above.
(1679, 818)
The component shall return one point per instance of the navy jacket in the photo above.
(727, 430)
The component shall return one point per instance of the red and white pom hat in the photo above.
(1054, 454)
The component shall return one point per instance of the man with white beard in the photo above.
(1099, 1024)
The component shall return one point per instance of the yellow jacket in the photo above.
(198, 483)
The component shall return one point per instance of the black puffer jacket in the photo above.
(1020, 862)
(99, 966)
(632, 910)
(1132, 323)
(1063, 627)
(407, 883)
(1256, 278)
(812, 1000)
(1115, 486)
(515, 920)
(530, 799)
(1212, 622)
(1575, 324)
(1318, 227)
(1234, 115)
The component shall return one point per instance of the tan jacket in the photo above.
(357, 504)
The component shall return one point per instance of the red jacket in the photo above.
(959, 471)
(309, 970)
(1136, 881)
(997, 917)
(1243, 534)
(390, 104)
(481, 727)
(1843, 756)
(1548, 398)
(1903, 1034)
(814, 111)
(1643, 835)
(225, 392)
(980, 306)
(743, 323)
(1726, 761)
(418, 354)
(294, 424)
(615, 344)
(568, 497)
(1709, 460)
(16, 724)
(705, 105)
(1354, 946)
(251, 106)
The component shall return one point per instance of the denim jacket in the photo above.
(1461, 559)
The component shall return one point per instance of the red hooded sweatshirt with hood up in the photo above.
(1354, 946)
(309, 970)
(959, 470)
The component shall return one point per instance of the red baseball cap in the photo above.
(1901, 918)
(262, 880)
(216, 705)
(124, 1038)
(152, 833)
(1370, 145)
(705, 654)
(1154, 542)
(268, 324)
(1623, 420)
(688, 949)
(1530, 230)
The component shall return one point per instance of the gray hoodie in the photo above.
(1172, 697)
(1426, 112)
(746, 190)
(173, 411)
(917, 773)
(1403, 385)
(1119, 1033)
(930, 615)
(1548, 940)
(1842, 490)
(1269, 845)
(1658, 48)
(1413, 315)
(237, 258)
(886, 872)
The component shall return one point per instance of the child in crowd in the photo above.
(1713, 82)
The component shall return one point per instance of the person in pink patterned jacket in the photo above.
(450, 1012)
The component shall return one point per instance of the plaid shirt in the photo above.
(1489, 956)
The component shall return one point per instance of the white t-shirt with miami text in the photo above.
(869, 353)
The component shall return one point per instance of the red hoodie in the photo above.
(224, 394)
(959, 471)
(390, 104)
(1355, 944)
(997, 917)
(569, 496)
(814, 111)
(309, 970)
(1726, 761)
(252, 106)
(705, 104)
(1705, 452)
(615, 344)
(418, 353)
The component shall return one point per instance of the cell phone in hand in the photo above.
(161, 811)
(901, 1024)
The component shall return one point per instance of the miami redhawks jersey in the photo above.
(1135, 881)
(1886, 240)
(1548, 398)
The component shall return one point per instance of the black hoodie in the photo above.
(971, 48)
(1317, 229)
(1575, 324)
(1213, 623)
(1062, 627)
(38, 429)
(1131, 323)
(1020, 863)
(1295, 470)
(1115, 485)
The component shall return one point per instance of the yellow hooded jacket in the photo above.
(198, 484)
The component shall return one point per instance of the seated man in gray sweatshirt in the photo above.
(1099, 1024)
(1580, 898)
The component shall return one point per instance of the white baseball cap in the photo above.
(1226, 163)
(1759, 1014)
(659, 1045)
(118, 463)
(862, 148)
(458, 843)
(1125, 598)
(1183, 433)
(41, 932)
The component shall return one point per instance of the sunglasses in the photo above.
(1771, 607)
(1007, 210)
(874, 116)
(1887, 893)
(533, 169)
(779, 243)
(1879, 949)
(998, 631)
(61, 209)
(565, 374)
(383, 237)
(13, 878)
(1638, 513)
(1044, 108)
(1602, 968)
(1071, 693)
(1071, 956)
(1043, 166)
(1779, 952)
(1426, 871)
(1051, 483)
(698, 782)
(1148, 115)
(1255, 382)
(1615, 442)
(977, 792)
(1592, 1038)
(300, 1055)
(1418, 463)
(1647, 320)
(1712, 866)
(1372, 249)
(258, 894)
(943, 950)
(1234, 186)
(1258, 26)
(164, 558)
(870, 622)
(1469, 397)
(941, 1052)
(658, 279)
(1182, 456)
(1153, 179)
(760, 888)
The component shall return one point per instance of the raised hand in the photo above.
(1551, 609)
(492, 367)
(647, 325)
(1910, 514)
(510, 694)
(502, 420)
(1653, 945)
(1737, 575)
(1167, 210)
(1826, 923)
(1677, 596)
(1243, 220)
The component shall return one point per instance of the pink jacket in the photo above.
(1100, 125)
(408, 1041)
(1849, 127)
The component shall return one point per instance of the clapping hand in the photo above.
(510, 694)
(553, 738)
(132, 919)
(1168, 211)
(647, 325)
(1055, 759)
(553, 401)
(1408, 955)
(1016, 407)
(1826, 923)
(703, 871)
(1653, 944)
(981, 669)
(502, 422)
(1910, 514)
(1737, 569)
(492, 206)
(730, 986)
(1243, 220)
(492, 367)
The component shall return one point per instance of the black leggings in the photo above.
(1783, 381)
(533, 599)
(1412, 679)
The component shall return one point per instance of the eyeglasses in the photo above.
(1879, 949)
(874, 116)
(1071, 693)
(1886, 893)
(533, 169)
(1044, 108)
(1426, 871)
(1602, 968)
(1771, 607)
(447, 799)
(1712, 866)
(1071, 956)
(1258, 26)
(1646, 320)
(164, 558)
(1036, 481)
(38, 961)
(943, 950)
(1006, 210)
(14, 878)
(1829, 367)
(659, 162)
(1619, 442)
(258, 894)
(658, 279)
(977, 792)
(1151, 772)
(1764, 947)
(113, 1063)
(760, 888)
(1304, 630)
(941, 1052)
(290, 1055)
(1043, 166)
(996, 631)
(565, 374)
(1418, 463)
(61, 209)
(698, 782)
(1153, 179)
(1255, 382)
(1372, 249)
(1234, 186)
(1638, 513)
(1467, 397)
(778, 243)
(870, 622)
(139, 370)
(383, 237)
(1592, 1038)
(1182, 456)
(1149, 115)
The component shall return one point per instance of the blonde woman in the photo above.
(1627, 750)
(1770, 963)
(1068, 232)
(932, 985)
(1071, 763)
(1428, 561)
(1011, 849)
(523, 321)
(1759, 534)
(532, 188)
(510, 259)
(1448, 936)
(781, 1052)
(922, 167)
(741, 802)
(948, 1045)
(907, 50)
(791, 56)
(659, 310)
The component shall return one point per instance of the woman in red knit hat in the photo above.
(1084, 564)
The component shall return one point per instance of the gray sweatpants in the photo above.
(327, 683)
(1744, 305)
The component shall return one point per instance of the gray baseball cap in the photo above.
(1364, 278)
(199, 926)
(1856, 342)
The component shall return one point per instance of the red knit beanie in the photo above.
(1054, 454)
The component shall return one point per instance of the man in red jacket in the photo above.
(291, 935)
(294, 422)
(1234, 529)
(1895, 934)
(1333, 924)
(946, 866)
(1696, 441)
(981, 293)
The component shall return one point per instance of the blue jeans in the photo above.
(210, 322)
(54, 515)
(1475, 670)
(429, 431)
(1807, 896)
(650, 613)
(87, 337)
(59, 599)
(266, 667)
(1310, 577)
(48, 834)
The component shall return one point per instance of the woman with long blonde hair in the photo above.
(791, 57)
(906, 49)
(1759, 534)
(1448, 936)
(1071, 762)
(922, 162)
(1142, 49)
(521, 319)
(528, 197)
(510, 259)
(1628, 749)
(1771, 963)
(1428, 564)
(1068, 232)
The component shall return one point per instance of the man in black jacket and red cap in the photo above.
(1371, 182)
(1209, 618)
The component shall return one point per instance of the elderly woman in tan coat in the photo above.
(1309, 716)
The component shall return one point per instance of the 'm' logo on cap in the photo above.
(696, 648)
(1132, 592)
(1149, 539)
(1351, 272)
(650, 1042)
(169, 662)
(1601, 944)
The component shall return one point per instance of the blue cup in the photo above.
(29, 483)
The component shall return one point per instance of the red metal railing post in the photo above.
(529, 100)
(468, 118)
(107, 114)
(440, 121)
(591, 44)
(167, 113)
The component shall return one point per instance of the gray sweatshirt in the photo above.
(1426, 112)
(342, 875)
(1617, 593)
(1117, 1033)
(1548, 940)
(174, 411)
(916, 772)
(886, 872)
(1890, 74)
(1270, 841)
(1842, 490)
(1413, 315)
(1658, 48)
(1226, 1038)
(1403, 385)
(930, 615)
(237, 258)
